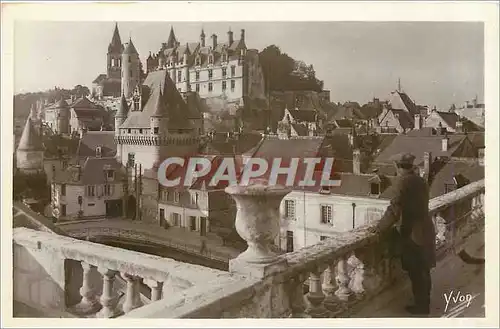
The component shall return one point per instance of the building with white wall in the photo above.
(92, 190)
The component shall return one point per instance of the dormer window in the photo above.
(136, 103)
(224, 57)
(375, 188)
(110, 174)
(198, 60)
(98, 151)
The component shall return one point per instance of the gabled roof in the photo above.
(92, 139)
(401, 101)
(30, 139)
(450, 118)
(303, 115)
(469, 170)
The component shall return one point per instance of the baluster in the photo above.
(315, 295)
(343, 293)
(356, 283)
(156, 289)
(329, 288)
(132, 297)
(89, 302)
(108, 301)
(295, 287)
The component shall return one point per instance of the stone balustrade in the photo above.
(49, 269)
(331, 278)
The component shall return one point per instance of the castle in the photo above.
(226, 74)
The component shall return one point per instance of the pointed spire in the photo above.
(172, 40)
(130, 50)
(123, 109)
(30, 139)
(161, 109)
(116, 42)
(202, 33)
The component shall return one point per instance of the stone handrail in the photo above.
(160, 274)
(337, 273)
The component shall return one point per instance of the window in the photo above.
(63, 189)
(375, 188)
(107, 190)
(289, 241)
(53, 169)
(224, 72)
(198, 60)
(233, 71)
(194, 198)
(289, 209)
(155, 130)
(176, 219)
(210, 59)
(233, 84)
(210, 86)
(131, 159)
(98, 151)
(130, 59)
(129, 131)
(136, 103)
(90, 190)
(179, 76)
(64, 164)
(197, 87)
(224, 57)
(197, 75)
(322, 238)
(223, 85)
(210, 74)
(177, 197)
(140, 131)
(63, 210)
(192, 223)
(110, 173)
(326, 214)
(80, 200)
(91, 204)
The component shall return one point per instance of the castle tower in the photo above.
(130, 69)
(115, 50)
(120, 117)
(62, 126)
(29, 154)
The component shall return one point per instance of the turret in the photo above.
(160, 117)
(62, 117)
(130, 69)
(121, 114)
(29, 154)
(202, 38)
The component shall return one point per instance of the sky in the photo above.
(439, 63)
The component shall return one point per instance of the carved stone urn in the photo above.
(258, 219)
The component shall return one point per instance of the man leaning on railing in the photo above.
(416, 235)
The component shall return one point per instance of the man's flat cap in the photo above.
(404, 158)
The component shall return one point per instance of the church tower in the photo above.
(29, 154)
(115, 50)
(131, 69)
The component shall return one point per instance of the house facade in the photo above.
(95, 189)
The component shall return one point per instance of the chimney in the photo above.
(356, 162)
(474, 101)
(242, 35)
(230, 37)
(444, 144)
(427, 165)
(480, 156)
(214, 41)
(417, 121)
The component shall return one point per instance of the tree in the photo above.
(282, 72)
(80, 91)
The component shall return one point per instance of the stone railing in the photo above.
(63, 274)
(331, 278)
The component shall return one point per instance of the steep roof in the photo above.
(172, 40)
(450, 118)
(92, 172)
(56, 146)
(115, 46)
(303, 115)
(401, 101)
(470, 170)
(92, 139)
(161, 91)
(30, 139)
(405, 119)
(130, 48)
(123, 108)
(100, 78)
(271, 147)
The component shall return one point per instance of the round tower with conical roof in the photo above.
(130, 69)
(29, 153)
(62, 110)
